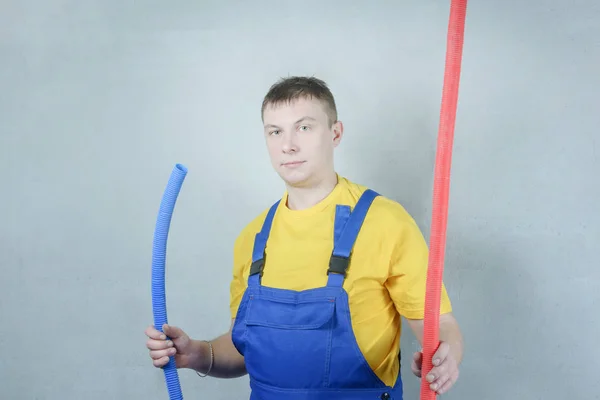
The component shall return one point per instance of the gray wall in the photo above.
(100, 99)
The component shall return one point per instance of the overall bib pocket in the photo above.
(293, 337)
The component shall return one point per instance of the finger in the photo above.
(415, 369)
(172, 331)
(418, 359)
(158, 354)
(161, 362)
(437, 372)
(418, 355)
(449, 383)
(416, 363)
(152, 344)
(441, 353)
(153, 333)
(440, 382)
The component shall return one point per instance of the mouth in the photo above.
(292, 163)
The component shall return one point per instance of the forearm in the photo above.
(227, 361)
(451, 334)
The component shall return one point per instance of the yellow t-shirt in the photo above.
(386, 276)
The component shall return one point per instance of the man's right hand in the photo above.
(195, 354)
(179, 345)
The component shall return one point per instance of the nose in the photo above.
(289, 144)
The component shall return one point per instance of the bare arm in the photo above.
(228, 362)
(449, 333)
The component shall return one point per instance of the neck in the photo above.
(302, 197)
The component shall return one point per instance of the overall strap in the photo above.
(260, 244)
(344, 241)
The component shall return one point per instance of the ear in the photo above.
(338, 131)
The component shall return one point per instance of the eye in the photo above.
(273, 132)
(304, 128)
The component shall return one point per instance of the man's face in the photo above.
(300, 141)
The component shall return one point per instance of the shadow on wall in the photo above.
(487, 279)
(487, 287)
(401, 169)
(489, 282)
(396, 152)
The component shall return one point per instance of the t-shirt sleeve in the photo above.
(241, 259)
(408, 273)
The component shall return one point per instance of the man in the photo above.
(321, 278)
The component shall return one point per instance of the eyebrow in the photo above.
(305, 118)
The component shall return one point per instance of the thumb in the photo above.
(172, 331)
(418, 357)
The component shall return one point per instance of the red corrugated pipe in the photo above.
(441, 186)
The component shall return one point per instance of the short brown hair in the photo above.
(292, 88)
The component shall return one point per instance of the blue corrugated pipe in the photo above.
(159, 251)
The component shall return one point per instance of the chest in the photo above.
(297, 258)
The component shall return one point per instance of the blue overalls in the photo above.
(299, 345)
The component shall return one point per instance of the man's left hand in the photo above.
(445, 368)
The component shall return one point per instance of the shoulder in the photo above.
(393, 217)
(245, 238)
(384, 211)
